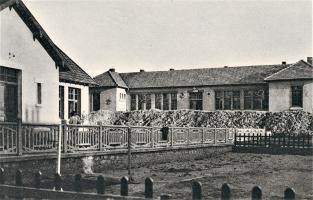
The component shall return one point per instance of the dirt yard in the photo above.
(273, 173)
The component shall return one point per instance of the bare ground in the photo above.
(273, 173)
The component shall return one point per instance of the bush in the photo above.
(279, 123)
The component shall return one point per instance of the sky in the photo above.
(130, 35)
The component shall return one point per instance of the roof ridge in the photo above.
(109, 72)
(269, 65)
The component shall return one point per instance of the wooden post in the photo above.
(152, 137)
(215, 142)
(149, 188)
(172, 136)
(256, 193)
(58, 168)
(129, 151)
(19, 136)
(18, 178)
(64, 132)
(196, 190)
(77, 183)
(124, 186)
(2, 179)
(289, 194)
(188, 136)
(100, 185)
(57, 182)
(100, 137)
(244, 139)
(37, 180)
(202, 135)
(226, 192)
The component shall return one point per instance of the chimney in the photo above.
(141, 70)
(309, 60)
(171, 69)
(112, 69)
(283, 63)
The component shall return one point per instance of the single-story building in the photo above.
(33, 70)
(262, 87)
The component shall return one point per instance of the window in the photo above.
(166, 103)
(96, 101)
(195, 100)
(74, 102)
(227, 100)
(148, 101)
(8, 94)
(174, 101)
(133, 102)
(296, 96)
(158, 98)
(38, 93)
(141, 101)
(256, 99)
(61, 102)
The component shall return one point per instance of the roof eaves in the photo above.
(110, 74)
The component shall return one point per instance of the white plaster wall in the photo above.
(280, 95)
(85, 103)
(308, 96)
(121, 102)
(104, 96)
(36, 66)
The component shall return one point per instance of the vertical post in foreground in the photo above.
(124, 186)
(129, 151)
(196, 190)
(289, 194)
(149, 188)
(58, 169)
(19, 144)
(226, 192)
(256, 193)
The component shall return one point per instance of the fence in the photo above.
(18, 138)
(36, 191)
(290, 143)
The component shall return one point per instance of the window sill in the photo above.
(295, 108)
(38, 105)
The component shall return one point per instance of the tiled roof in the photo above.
(110, 79)
(201, 77)
(75, 74)
(299, 70)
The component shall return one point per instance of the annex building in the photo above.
(272, 88)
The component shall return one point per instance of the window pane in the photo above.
(236, 100)
(195, 100)
(218, 100)
(133, 102)
(148, 101)
(158, 101)
(166, 102)
(174, 101)
(141, 101)
(297, 96)
(61, 102)
(248, 96)
(258, 97)
(227, 100)
(38, 93)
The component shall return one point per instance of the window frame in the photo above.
(297, 90)
(76, 102)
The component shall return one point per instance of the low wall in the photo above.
(103, 162)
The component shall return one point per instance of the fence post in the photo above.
(37, 180)
(172, 136)
(2, 179)
(124, 186)
(100, 185)
(149, 188)
(196, 190)
(77, 183)
(202, 135)
(19, 136)
(129, 142)
(57, 182)
(152, 137)
(289, 194)
(18, 178)
(226, 192)
(65, 133)
(188, 136)
(100, 137)
(215, 142)
(256, 193)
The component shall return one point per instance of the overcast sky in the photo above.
(157, 35)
